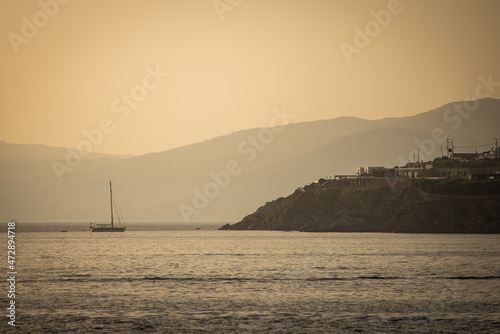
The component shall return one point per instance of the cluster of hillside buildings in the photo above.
(470, 166)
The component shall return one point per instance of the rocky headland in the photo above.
(392, 207)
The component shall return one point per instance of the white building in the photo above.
(360, 171)
(368, 170)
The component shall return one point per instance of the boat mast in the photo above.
(111, 200)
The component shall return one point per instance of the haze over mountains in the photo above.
(228, 177)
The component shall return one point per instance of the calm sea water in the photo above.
(206, 281)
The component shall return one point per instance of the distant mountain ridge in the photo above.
(153, 187)
(36, 152)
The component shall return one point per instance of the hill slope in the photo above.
(152, 187)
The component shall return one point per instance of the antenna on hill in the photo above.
(496, 147)
(449, 151)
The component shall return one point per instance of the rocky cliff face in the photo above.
(384, 208)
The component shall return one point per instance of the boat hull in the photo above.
(107, 229)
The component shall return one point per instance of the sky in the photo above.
(133, 77)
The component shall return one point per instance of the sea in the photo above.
(200, 280)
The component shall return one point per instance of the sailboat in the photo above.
(108, 227)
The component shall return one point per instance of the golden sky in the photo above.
(69, 66)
